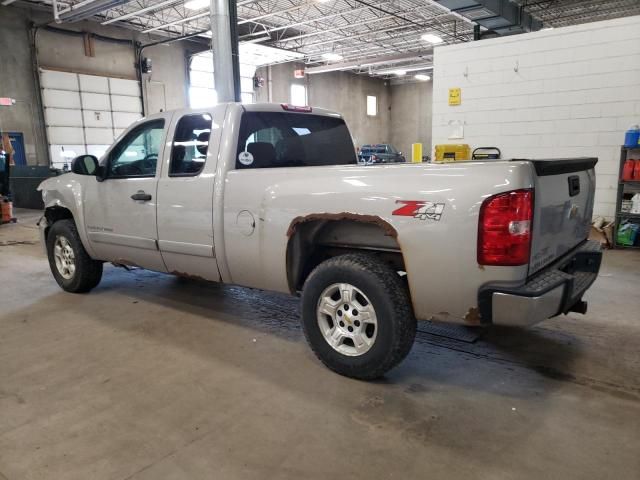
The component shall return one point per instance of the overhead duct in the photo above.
(503, 17)
(83, 10)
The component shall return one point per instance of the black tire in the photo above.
(388, 295)
(88, 272)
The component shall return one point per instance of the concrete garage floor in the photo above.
(153, 377)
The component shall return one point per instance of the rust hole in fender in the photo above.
(373, 219)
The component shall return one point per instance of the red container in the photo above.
(636, 170)
(6, 211)
(628, 170)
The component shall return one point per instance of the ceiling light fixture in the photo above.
(422, 77)
(332, 56)
(431, 38)
(400, 73)
(197, 4)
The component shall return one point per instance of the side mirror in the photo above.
(85, 165)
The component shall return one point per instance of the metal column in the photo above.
(224, 42)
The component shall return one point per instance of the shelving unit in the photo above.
(625, 186)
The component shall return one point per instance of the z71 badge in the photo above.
(420, 209)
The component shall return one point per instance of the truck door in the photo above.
(120, 212)
(264, 178)
(185, 194)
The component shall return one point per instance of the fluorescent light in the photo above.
(422, 77)
(431, 38)
(196, 4)
(332, 56)
(400, 73)
(322, 1)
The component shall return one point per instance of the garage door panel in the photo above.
(124, 119)
(122, 103)
(117, 132)
(51, 79)
(97, 150)
(95, 101)
(63, 117)
(61, 154)
(60, 98)
(99, 136)
(93, 83)
(119, 86)
(97, 118)
(84, 113)
(65, 135)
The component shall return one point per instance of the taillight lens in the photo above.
(504, 232)
(296, 108)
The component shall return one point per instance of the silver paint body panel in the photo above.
(231, 225)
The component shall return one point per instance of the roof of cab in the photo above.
(249, 107)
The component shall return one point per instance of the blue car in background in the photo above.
(379, 153)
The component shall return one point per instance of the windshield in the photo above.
(376, 149)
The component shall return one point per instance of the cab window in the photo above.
(190, 145)
(283, 139)
(137, 153)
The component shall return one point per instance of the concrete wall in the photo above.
(410, 120)
(339, 91)
(566, 92)
(404, 111)
(17, 81)
(63, 51)
(165, 88)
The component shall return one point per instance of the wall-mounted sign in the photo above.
(298, 73)
(7, 102)
(455, 96)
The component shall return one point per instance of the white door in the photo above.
(185, 194)
(120, 212)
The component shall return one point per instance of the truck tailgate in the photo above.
(564, 194)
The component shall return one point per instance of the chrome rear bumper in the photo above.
(555, 290)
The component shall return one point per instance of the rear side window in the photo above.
(190, 145)
(274, 139)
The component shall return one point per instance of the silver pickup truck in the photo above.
(271, 197)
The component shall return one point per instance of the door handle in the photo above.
(141, 195)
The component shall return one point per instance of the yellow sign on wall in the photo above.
(455, 97)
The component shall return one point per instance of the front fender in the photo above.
(68, 191)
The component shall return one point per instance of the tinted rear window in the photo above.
(275, 139)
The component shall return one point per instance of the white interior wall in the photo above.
(566, 92)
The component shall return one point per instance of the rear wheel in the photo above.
(71, 266)
(357, 316)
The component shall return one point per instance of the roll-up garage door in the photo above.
(85, 113)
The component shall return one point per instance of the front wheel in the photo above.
(357, 316)
(72, 267)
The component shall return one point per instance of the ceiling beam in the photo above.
(368, 62)
(136, 13)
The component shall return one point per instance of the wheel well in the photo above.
(54, 214)
(314, 239)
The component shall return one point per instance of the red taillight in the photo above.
(296, 108)
(504, 231)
